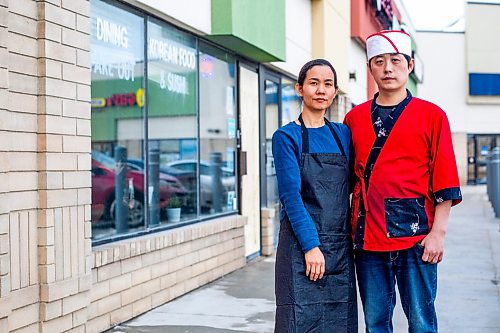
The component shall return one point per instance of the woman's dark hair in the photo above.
(316, 62)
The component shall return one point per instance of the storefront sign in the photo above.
(174, 83)
(172, 65)
(111, 33)
(171, 53)
(117, 42)
(121, 70)
(120, 100)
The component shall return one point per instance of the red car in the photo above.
(103, 191)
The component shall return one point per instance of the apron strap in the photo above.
(305, 136)
(336, 137)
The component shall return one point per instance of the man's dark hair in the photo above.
(316, 62)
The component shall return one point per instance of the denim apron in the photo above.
(329, 304)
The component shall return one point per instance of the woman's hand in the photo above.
(315, 264)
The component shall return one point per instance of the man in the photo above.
(406, 181)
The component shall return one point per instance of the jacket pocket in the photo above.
(405, 217)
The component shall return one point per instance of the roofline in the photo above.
(441, 31)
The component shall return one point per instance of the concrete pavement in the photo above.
(468, 288)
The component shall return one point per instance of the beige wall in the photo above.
(446, 71)
(483, 28)
(357, 64)
(483, 49)
(460, 148)
(451, 72)
(45, 212)
(193, 15)
(331, 31)
(298, 36)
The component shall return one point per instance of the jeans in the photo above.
(377, 274)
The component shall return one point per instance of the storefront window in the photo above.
(172, 124)
(117, 66)
(217, 167)
(164, 135)
(272, 112)
(272, 124)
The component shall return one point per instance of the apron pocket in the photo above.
(405, 217)
(336, 250)
(330, 289)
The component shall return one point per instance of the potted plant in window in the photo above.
(174, 209)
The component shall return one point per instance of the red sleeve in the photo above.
(444, 174)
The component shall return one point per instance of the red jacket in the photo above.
(415, 170)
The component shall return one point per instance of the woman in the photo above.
(315, 281)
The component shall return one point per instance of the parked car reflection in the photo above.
(103, 192)
(206, 195)
(185, 177)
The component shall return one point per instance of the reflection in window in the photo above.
(172, 69)
(217, 131)
(177, 171)
(117, 58)
(272, 123)
(290, 110)
(291, 107)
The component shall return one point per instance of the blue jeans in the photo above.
(377, 274)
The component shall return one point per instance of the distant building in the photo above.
(462, 76)
(368, 17)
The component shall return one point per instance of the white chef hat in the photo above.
(388, 41)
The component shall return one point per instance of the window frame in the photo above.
(199, 40)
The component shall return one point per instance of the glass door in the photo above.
(271, 110)
(249, 160)
(478, 149)
(483, 147)
(471, 159)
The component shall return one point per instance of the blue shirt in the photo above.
(287, 150)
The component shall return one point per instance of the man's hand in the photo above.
(315, 264)
(434, 242)
(433, 247)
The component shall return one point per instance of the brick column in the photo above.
(5, 307)
(64, 164)
(268, 225)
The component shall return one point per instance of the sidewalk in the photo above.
(468, 290)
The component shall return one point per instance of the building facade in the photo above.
(117, 113)
(368, 17)
(464, 82)
(136, 160)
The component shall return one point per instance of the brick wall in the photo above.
(5, 307)
(45, 246)
(132, 277)
(19, 292)
(51, 279)
(64, 247)
(268, 227)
